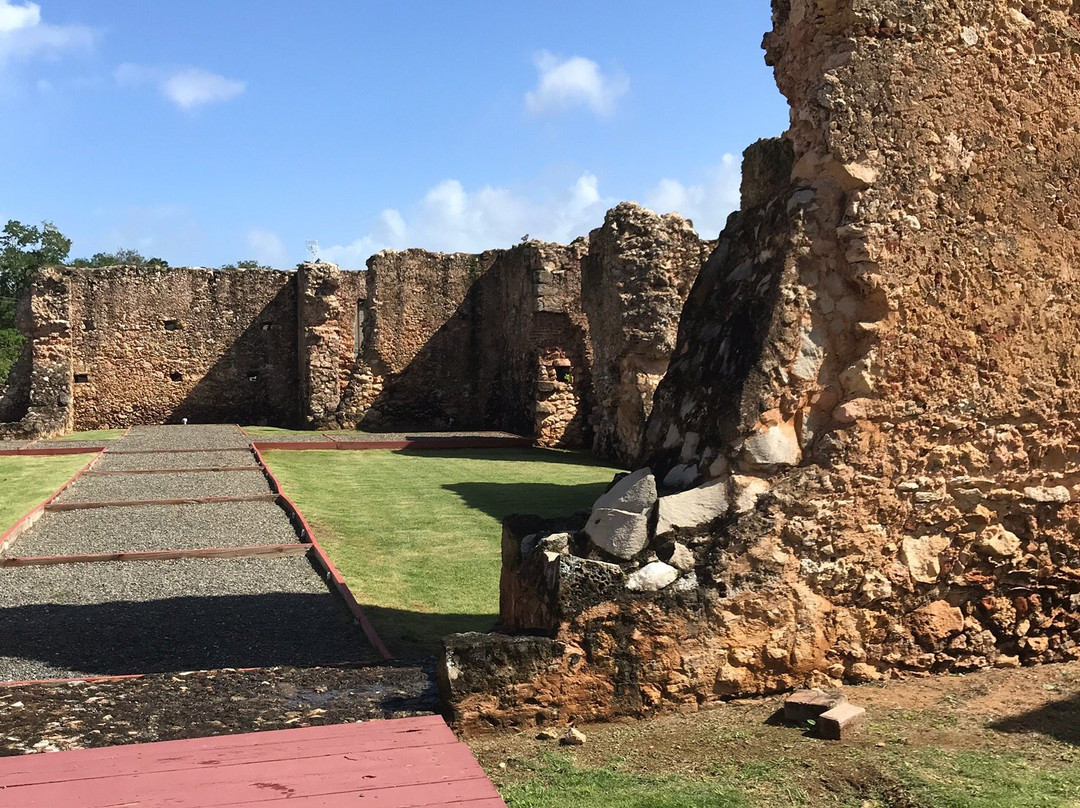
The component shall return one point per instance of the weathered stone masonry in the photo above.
(420, 340)
(867, 438)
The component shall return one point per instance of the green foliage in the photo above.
(557, 781)
(247, 264)
(24, 249)
(11, 342)
(417, 534)
(121, 257)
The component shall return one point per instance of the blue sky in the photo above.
(208, 132)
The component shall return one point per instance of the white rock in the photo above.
(997, 541)
(652, 577)
(922, 557)
(1058, 494)
(620, 533)
(682, 559)
(747, 492)
(681, 476)
(635, 493)
(690, 509)
(776, 446)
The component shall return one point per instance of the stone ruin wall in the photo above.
(637, 275)
(157, 346)
(421, 340)
(866, 443)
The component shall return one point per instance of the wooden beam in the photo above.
(127, 503)
(254, 551)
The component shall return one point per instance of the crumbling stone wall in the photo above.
(865, 443)
(38, 398)
(464, 341)
(636, 276)
(157, 345)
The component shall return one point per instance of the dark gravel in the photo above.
(165, 707)
(183, 485)
(73, 444)
(112, 461)
(155, 527)
(165, 438)
(166, 616)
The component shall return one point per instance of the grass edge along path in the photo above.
(26, 482)
(417, 534)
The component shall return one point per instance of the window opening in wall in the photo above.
(564, 371)
(82, 378)
(176, 376)
(87, 325)
(358, 327)
(172, 325)
(266, 326)
(253, 375)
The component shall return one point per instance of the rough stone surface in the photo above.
(896, 295)
(635, 279)
(652, 577)
(841, 722)
(635, 493)
(619, 533)
(803, 705)
(693, 508)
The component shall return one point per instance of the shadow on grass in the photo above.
(548, 500)
(415, 635)
(1059, 719)
(527, 455)
(179, 634)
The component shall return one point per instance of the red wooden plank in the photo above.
(129, 503)
(176, 756)
(273, 781)
(250, 551)
(223, 744)
(130, 472)
(322, 560)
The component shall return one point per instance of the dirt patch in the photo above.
(162, 707)
(1033, 712)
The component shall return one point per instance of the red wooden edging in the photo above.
(125, 472)
(415, 443)
(251, 551)
(322, 560)
(29, 519)
(51, 451)
(128, 503)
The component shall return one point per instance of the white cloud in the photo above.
(573, 82)
(707, 202)
(450, 218)
(23, 35)
(267, 248)
(187, 87)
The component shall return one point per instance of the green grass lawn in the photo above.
(95, 434)
(26, 482)
(417, 534)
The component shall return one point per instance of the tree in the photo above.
(24, 249)
(122, 257)
(248, 264)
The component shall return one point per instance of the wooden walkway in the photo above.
(408, 762)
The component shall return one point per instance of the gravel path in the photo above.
(170, 438)
(73, 444)
(150, 617)
(112, 461)
(186, 485)
(8, 445)
(297, 437)
(155, 527)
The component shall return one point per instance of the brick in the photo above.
(841, 721)
(803, 705)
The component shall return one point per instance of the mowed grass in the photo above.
(26, 482)
(95, 434)
(417, 534)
